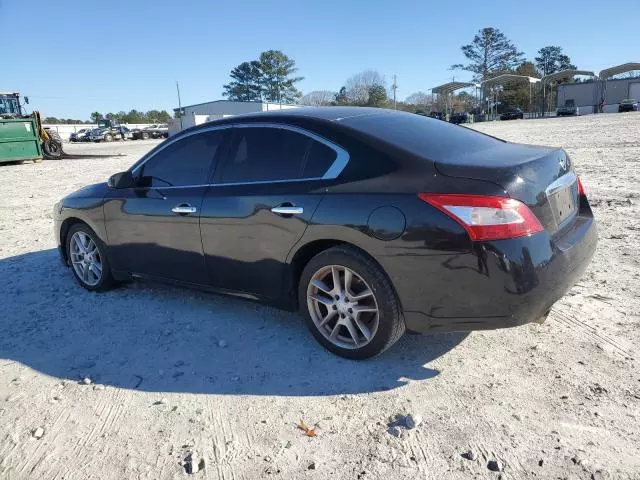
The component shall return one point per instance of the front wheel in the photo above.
(108, 137)
(349, 304)
(87, 256)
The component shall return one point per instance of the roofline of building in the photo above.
(597, 79)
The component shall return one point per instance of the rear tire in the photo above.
(108, 137)
(83, 258)
(145, 136)
(367, 281)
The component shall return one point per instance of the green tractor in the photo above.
(22, 136)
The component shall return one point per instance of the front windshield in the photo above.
(9, 105)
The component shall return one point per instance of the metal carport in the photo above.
(447, 90)
(607, 73)
(509, 78)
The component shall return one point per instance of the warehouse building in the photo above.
(205, 112)
(602, 89)
(588, 95)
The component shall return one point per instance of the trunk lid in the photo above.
(540, 177)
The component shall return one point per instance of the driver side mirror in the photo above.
(121, 180)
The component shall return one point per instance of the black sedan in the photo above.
(370, 221)
(512, 114)
(628, 105)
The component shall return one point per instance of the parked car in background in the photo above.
(569, 108)
(161, 131)
(80, 135)
(152, 131)
(302, 217)
(105, 135)
(126, 132)
(459, 117)
(512, 114)
(437, 115)
(628, 105)
(142, 133)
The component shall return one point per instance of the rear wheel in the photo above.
(145, 136)
(87, 256)
(349, 304)
(108, 137)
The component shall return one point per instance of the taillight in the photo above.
(486, 217)
(580, 188)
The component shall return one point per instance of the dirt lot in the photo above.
(174, 371)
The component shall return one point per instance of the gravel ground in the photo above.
(171, 372)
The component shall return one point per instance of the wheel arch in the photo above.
(66, 225)
(306, 252)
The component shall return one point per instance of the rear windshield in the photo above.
(433, 139)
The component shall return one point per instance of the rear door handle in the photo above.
(184, 209)
(282, 210)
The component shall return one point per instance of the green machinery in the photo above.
(22, 137)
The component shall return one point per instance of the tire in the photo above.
(52, 148)
(108, 137)
(106, 280)
(145, 136)
(385, 327)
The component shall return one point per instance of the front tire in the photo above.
(349, 304)
(108, 138)
(87, 257)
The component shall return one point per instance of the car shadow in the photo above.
(158, 338)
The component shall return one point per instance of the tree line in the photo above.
(133, 116)
(272, 78)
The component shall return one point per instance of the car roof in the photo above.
(332, 114)
(318, 114)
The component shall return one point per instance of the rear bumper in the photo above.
(499, 284)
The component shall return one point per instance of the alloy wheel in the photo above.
(85, 258)
(342, 306)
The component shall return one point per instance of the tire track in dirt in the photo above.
(113, 402)
(52, 433)
(225, 447)
(569, 319)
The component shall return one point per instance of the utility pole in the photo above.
(394, 87)
(179, 104)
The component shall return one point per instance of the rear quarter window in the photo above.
(319, 158)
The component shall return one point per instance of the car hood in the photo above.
(97, 190)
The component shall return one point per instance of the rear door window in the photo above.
(264, 154)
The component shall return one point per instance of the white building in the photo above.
(205, 112)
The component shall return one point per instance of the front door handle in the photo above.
(184, 209)
(288, 210)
